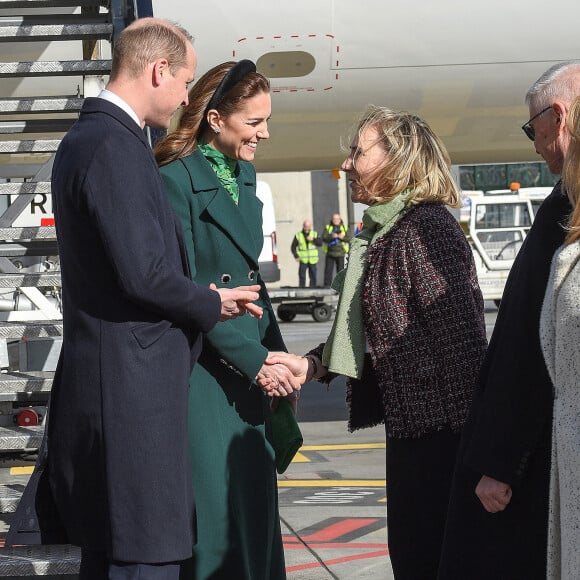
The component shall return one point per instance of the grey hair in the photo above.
(560, 81)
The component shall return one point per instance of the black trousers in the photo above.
(329, 264)
(419, 474)
(96, 566)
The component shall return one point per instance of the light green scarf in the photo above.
(224, 167)
(345, 348)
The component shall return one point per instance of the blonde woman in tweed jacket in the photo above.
(560, 338)
(409, 294)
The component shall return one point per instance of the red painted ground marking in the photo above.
(338, 561)
(327, 546)
(335, 531)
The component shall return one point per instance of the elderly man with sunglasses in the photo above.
(498, 513)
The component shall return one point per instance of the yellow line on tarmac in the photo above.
(345, 446)
(331, 483)
(25, 470)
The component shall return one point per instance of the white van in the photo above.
(268, 260)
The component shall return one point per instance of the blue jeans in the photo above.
(311, 268)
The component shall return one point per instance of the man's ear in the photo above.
(560, 110)
(160, 68)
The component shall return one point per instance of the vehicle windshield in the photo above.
(502, 215)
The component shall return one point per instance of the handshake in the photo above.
(283, 374)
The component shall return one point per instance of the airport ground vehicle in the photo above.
(497, 226)
(319, 302)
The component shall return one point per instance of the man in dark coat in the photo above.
(118, 470)
(498, 514)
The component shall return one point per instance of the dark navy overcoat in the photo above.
(118, 464)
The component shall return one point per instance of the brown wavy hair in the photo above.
(571, 170)
(192, 124)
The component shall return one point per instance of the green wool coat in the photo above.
(229, 416)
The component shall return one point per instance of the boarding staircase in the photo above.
(54, 53)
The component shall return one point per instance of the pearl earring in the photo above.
(216, 130)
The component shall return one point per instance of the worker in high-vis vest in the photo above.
(335, 238)
(305, 250)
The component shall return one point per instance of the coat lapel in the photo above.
(235, 221)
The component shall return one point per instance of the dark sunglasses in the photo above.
(529, 129)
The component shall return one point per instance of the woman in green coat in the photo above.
(206, 166)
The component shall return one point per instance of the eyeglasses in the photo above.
(528, 129)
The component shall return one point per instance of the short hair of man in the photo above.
(416, 159)
(146, 40)
(560, 82)
(571, 171)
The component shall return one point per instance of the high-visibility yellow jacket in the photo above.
(329, 228)
(306, 251)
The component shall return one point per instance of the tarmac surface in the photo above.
(333, 505)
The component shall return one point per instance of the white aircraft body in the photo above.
(463, 66)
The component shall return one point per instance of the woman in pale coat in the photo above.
(560, 337)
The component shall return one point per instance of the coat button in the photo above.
(251, 275)
(226, 278)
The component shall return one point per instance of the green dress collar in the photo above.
(224, 167)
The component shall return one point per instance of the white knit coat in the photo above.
(560, 338)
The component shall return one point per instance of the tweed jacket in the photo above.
(424, 322)
(560, 339)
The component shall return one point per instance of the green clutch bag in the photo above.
(286, 435)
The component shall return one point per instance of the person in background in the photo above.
(560, 339)
(335, 237)
(410, 293)
(304, 248)
(117, 481)
(498, 512)
(206, 164)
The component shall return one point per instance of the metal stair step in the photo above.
(84, 18)
(29, 248)
(18, 188)
(20, 438)
(30, 280)
(48, 3)
(28, 233)
(43, 32)
(16, 386)
(33, 561)
(30, 329)
(31, 105)
(54, 68)
(36, 126)
(9, 499)
(30, 146)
